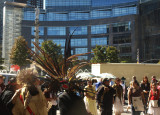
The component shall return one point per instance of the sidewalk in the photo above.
(124, 113)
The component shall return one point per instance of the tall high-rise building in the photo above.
(1, 23)
(1, 19)
(12, 18)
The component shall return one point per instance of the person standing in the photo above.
(70, 103)
(154, 80)
(158, 85)
(99, 83)
(145, 85)
(124, 90)
(52, 101)
(6, 99)
(89, 98)
(118, 106)
(153, 100)
(31, 100)
(111, 83)
(2, 86)
(136, 98)
(105, 98)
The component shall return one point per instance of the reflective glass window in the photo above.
(100, 14)
(122, 39)
(132, 10)
(40, 42)
(29, 15)
(122, 27)
(81, 50)
(82, 57)
(41, 17)
(99, 29)
(78, 16)
(124, 11)
(51, 16)
(99, 41)
(59, 41)
(41, 30)
(81, 30)
(125, 49)
(79, 42)
(56, 30)
(96, 3)
(67, 2)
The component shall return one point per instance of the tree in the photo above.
(52, 49)
(103, 54)
(99, 54)
(112, 54)
(19, 53)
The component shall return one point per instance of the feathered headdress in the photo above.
(58, 70)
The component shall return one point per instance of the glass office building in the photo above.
(92, 22)
(12, 18)
(102, 22)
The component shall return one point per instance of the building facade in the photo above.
(103, 22)
(12, 19)
(150, 42)
(92, 22)
(1, 23)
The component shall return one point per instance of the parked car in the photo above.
(7, 77)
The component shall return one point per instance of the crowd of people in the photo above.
(27, 94)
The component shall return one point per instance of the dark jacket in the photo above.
(105, 99)
(2, 86)
(145, 87)
(71, 104)
(5, 102)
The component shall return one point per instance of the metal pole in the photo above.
(37, 11)
(137, 55)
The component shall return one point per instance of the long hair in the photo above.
(145, 77)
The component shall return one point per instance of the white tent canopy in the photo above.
(85, 75)
(107, 75)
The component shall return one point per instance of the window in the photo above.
(41, 30)
(96, 3)
(67, 2)
(78, 16)
(121, 27)
(29, 15)
(82, 30)
(40, 42)
(56, 30)
(122, 39)
(79, 42)
(125, 49)
(82, 57)
(81, 50)
(59, 41)
(124, 11)
(101, 14)
(99, 41)
(99, 29)
(51, 16)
